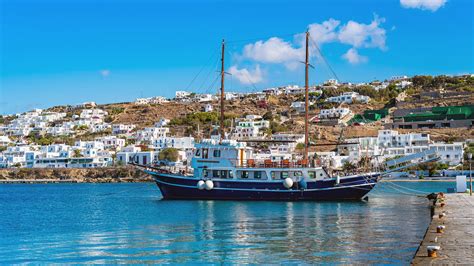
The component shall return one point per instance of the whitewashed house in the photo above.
(4, 141)
(150, 133)
(349, 98)
(334, 113)
(118, 129)
(181, 143)
(162, 123)
(112, 142)
(208, 108)
(250, 127)
(93, 114)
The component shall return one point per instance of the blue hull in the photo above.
(180, 187)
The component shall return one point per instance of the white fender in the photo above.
(201, 185)
(209, 184)
(288, 182)
(338, 180)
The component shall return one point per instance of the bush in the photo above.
(168, 154)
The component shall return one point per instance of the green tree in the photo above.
(77, 154)
(299, 146)
(168, 154)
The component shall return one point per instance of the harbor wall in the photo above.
(73, 175)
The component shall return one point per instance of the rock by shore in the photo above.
(79, 175)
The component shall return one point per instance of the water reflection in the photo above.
(139, 228)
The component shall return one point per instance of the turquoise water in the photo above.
(128, 223)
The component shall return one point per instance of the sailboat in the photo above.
(226, 169)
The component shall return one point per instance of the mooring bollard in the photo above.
(432, 251)
(441, 215)
(440, 229)
(442, 204)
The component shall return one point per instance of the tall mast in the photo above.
(222, 92)
(306, 107)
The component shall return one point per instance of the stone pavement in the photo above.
(457, 241)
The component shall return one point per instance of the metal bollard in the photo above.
(440, 229)
(432, 251)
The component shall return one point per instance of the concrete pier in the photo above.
(456, 239)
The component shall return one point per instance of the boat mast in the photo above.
(306, 107)
(222, 92)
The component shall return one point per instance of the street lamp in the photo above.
(469, 156)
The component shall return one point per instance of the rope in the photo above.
(202, 68)
(324, 58)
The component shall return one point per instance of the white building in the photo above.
(349, 97)
(151, 100)
(396, 78)
(162, 123)
(250, 127)
(93, 114)
(182, 94)
(332, 82)
(100, 127)
(137, 156)
(181, 143)
(4, 141)
(112, 142)
(299, 106)
(334, 113)
(390, 143)
(122, 128)
(208, 108)
(150, 133)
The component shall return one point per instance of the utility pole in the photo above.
(469, 156)
(306, 107)
(222, 92)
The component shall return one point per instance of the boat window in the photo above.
(257, 175)
(204, 153)
(204, 172)
(223, 174)
(284, 175)
(217, 153)
(274, 175)
(298, 173)
(312, 174)
(244, 174)
(215, 173)
(198, 153)
(231, 174)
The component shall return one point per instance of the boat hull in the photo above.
(185, 188)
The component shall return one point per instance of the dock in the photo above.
(450, 235)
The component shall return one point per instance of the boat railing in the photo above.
(267, 163)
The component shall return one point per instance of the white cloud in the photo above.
(358, 35)
(363, 35)
(324, 32)
(431, 5)
(353, 57)
(104, 73)
(274, 50)
(246, 76)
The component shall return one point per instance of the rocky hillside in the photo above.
(80, 175)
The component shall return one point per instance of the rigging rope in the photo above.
(324, 58)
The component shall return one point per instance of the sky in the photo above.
(71, 51)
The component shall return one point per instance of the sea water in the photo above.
(129, 223)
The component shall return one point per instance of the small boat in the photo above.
(225, 169)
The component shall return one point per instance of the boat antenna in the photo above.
(306, 107)
(222, 92)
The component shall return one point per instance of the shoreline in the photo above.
(125, 174)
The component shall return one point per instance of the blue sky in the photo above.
(68, 52)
